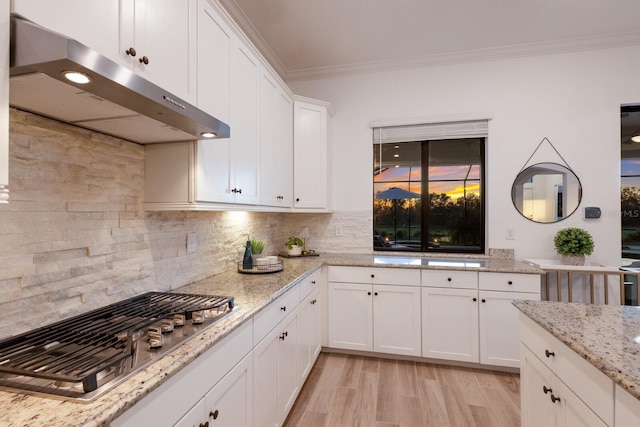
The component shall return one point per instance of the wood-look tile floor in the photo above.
(347, 390)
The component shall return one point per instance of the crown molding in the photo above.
(477, 55)
(246, 26)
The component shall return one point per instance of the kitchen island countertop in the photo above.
(252, 292)
(607, 336)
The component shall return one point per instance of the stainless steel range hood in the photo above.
(116, 101)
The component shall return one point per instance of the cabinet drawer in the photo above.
(309, 283)
(509, 282)
(450, 279)
(588, 383)
(271, 315)
(377, 276)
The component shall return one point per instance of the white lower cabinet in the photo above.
(547, 401)
(276, 382)
(450, 324)
(381, 318)
(283, 358)
(498, 328)
(229, 403)
(558, 387)
(309, 333)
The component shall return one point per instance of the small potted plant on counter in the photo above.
(294, 245)
(573, 244)
(257, 246)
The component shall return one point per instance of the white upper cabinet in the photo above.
(4, 102)
(153, 38)
(245, 124)
(276, 142)
(213, 57)
(310, 178)
(94, 23)
(158, 42)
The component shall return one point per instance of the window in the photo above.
(428, 194)
(630, 184)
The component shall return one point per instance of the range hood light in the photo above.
(208, 135)
(76, 77)
(635, 138)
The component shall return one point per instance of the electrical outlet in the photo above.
(338, 230)
(510, 233)
(192, 243)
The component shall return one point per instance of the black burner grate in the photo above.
(77, 349)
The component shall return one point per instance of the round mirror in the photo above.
(546, 192)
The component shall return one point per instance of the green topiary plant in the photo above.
(573, 241)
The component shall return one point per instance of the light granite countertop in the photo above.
(603, 335)
(251, 293)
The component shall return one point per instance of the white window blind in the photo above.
(431, 131)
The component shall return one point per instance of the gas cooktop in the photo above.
(83, 357)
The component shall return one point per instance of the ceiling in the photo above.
(304, 39)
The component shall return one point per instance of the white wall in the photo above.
(573, 99)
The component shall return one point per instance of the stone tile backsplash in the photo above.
(74, 235)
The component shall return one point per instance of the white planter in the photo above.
(295, 250)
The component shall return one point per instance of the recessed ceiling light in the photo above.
(76, 77)
(208, 135)
(396, 155)
(397, 166)
(635, 138)
(396, 147)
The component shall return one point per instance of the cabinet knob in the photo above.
(554, 399)
(131, 52)
(375, 293)
(546, 389)
(549, 353)
(368, 293)
(483, 300)
(313, 282)
(373, 275)
(283, 308)
(297, 199)
(204, 424)
(214, 414)
(314, 301)
(144, 60)
(283, 336)
(448, 279)
(510, 282)
(475, 299)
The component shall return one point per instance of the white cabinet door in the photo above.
(350, 316)
(265, 381)
(230, 402)
(309, 338)
(450, 324)
(309, 155)
(4, 102)
(95, 23)
(213, 55)
(162, 33)
(499, 328)
(276, 142)
(244, 123)
(276, 382)
(288, 385)
(396, 320)
(573, 412)
(537, 383)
